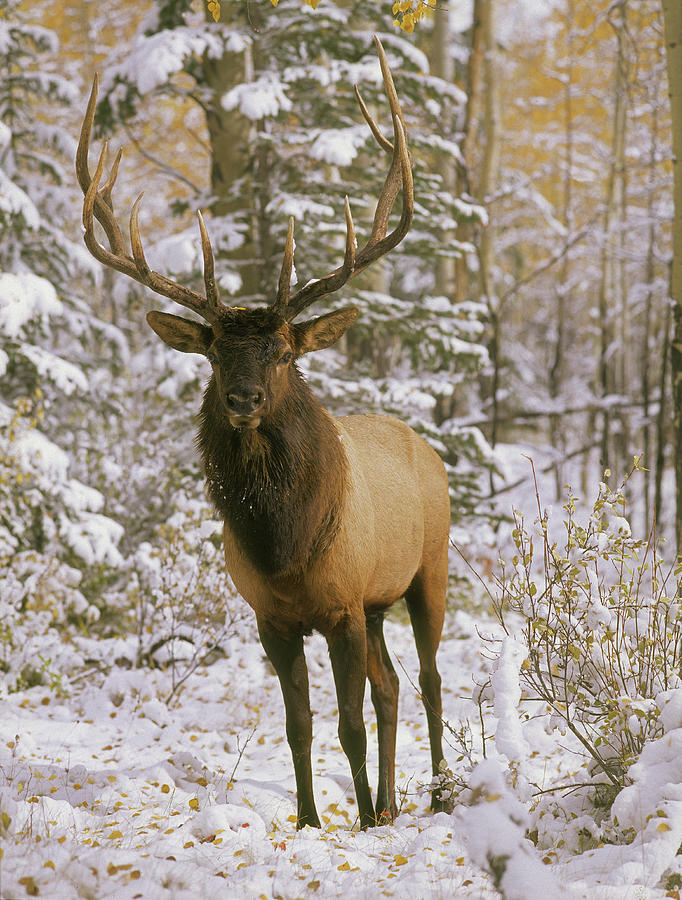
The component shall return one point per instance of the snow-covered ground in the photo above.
(108, 792)
(114, 794)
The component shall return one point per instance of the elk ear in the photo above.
(323, 331)
(180, 334)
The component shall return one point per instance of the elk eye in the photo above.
(286, 359)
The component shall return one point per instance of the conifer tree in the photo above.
(52, 526)
(298, 146)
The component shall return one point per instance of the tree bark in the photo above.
(469, 141)
(487, 186)
(611, 378)
(556, 371)
(444, 67)
(672, 15)
(229, 132)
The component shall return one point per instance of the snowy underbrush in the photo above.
(591, 655)
(150, 758)
(70, 602)
(51, 530)
(177, 598)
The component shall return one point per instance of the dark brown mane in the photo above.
(279, 487)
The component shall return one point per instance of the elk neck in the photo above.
(280, 487)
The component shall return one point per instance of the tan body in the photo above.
(395, 524)
(391, 542)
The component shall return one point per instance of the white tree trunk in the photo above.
(672, 14)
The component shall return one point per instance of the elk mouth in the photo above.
(245, 422)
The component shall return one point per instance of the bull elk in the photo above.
(327, 522)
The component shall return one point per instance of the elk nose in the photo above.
(244, 401)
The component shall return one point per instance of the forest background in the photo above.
(527, 313)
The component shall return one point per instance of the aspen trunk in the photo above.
(443, 67)
(610, 299)
(645, 351)
(556, 372)
(469, 142)
(487, 187)
(672, 14)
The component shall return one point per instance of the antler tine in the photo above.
(382, 141)
(102, 204)
(119, 261)
(212, 296)
(399, 175)
(98, 205)
(330, 283)
(206, 307)
(284, 287)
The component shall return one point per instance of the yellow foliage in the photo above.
(312, 3)
(214, 9)
(407, 12)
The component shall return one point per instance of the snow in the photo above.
(66, 376)
(509, 738)
(338, 146)
(111, 791)
(93, 538)
(266, 96)
(17, 202)
(34, 451)
(107, 789)
(23, 298)
(153, 58)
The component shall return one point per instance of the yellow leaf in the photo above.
(663, 826)
(29, 886)
(194, 803)
(344, 867)
(400, 860)
(115, 835)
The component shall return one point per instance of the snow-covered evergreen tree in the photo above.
(52, 525)
(286, 137)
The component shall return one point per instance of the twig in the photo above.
(162, 166)
(240, 753)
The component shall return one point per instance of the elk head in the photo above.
(252, 351)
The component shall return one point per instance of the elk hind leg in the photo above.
(384, 687)
(348, 654)
(425, 600)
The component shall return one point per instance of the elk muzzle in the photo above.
(244, 403)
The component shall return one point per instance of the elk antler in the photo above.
(379, 243)
(98, 205)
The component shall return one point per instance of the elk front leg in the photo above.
(348, 654)
(288, 659)
(384, 684)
